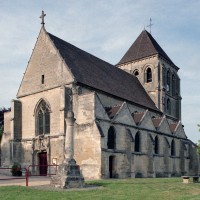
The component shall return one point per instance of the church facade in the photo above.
(128, 116)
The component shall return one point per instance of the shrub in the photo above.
(16, 169)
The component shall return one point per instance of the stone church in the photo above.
(128, 116)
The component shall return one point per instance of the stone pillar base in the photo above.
(68, 176)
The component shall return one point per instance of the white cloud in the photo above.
(106, 29)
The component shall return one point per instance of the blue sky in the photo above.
(106, 29)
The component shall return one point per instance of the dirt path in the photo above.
(33, 181)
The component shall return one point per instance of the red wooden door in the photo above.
(43, 163)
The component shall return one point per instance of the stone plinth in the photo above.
(68, 176)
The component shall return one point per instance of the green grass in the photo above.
(140, 189)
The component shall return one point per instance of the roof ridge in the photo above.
(140, 44)
(157, 117)
(113, 106)
(139, 112)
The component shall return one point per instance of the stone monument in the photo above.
(68, 174)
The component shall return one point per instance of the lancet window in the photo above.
(137, 142)
(43, 118)
(111, 143)
(148, 75)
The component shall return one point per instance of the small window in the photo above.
(136, 73)
(42, 79)
(111, 138)
(156, 147)
(173, 149)
(137, 142)
(163, 77)
(173, 84)
(148, 75)
(168, 106)
(168, 81)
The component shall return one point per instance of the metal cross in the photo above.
(42, 17)
(150, 25)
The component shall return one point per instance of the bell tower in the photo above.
(146, 60)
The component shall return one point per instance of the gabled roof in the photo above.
(173, 126)
(157, 121)
(144, 46)
(96, 73)
(138, 116)
(112, 111)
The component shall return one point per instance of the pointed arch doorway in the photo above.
(42, 158)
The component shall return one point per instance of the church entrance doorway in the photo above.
(43, 163)
(111, 166)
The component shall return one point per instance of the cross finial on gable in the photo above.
(150, 25)
(42, 17)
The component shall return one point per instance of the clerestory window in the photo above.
(137, 142)
(173, 148)
(156, 147)
(111, 143)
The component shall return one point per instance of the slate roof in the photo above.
(112, 111)
(144, 46)
(156, 121)
(96, 73)
(137, 117)
(173, 126)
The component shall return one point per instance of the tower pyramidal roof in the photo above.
(144, 46)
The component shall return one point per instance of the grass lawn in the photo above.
(140, 189)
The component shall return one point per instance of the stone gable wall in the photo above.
(45, 60)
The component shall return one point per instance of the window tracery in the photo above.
(42, 118)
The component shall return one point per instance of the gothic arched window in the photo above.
(42, 118)
(173, 150)
(177, 86)
(111, 143)
(148, 75)
(168, 81)
(173, 85)
(163, 76)
(168, 106)
(156, 147)
(137, 142)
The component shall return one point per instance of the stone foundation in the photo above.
(68, 176)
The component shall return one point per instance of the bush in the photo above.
(16, 169)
